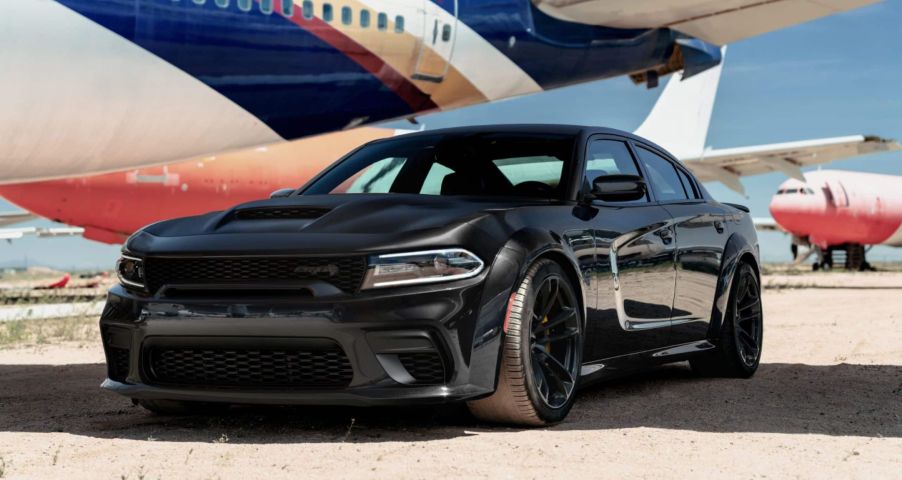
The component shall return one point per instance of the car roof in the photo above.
(537, 129)
(519, 128)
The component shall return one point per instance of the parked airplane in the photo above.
(834, 211)
(95, 86)
(111, 206)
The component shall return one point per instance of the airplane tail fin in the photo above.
(680, 118)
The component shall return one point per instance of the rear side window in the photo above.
(663, 176)
(688, 185)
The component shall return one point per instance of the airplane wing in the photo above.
(767, 225)
(727, 165)
(10, 234)
(10, 218)
(715, 21)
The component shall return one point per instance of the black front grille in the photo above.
(345, 273)
(275, 213)
(304, 367)
(117, 363)
(425, 368)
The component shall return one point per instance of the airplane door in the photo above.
(437, 46)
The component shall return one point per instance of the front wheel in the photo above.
(542, 352)
(738, 352)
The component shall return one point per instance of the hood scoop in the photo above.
(280, 213)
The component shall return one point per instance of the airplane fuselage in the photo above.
(102, 85)
(840, 207)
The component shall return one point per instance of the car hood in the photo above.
(322, 223)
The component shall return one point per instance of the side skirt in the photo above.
(615, 367)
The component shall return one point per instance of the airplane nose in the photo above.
(78, 98)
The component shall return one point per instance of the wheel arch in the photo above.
(506, 272)
(738, 250)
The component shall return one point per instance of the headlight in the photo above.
(130, 271)
(421, 267)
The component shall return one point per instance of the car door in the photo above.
(700, 239)
(634, 262)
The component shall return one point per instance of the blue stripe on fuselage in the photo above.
(557, 53)
(287, 77)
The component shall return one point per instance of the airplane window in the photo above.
(245, 5)
(200, 2)
(382, 21)
(810, 191)
(663, 175)
(792, 190)
(347, 15)
(327, 12)
(446, 33)
(399, 24)
(287, 8)
(222, 3)
(307, 9)
(365, 18)
(266, 6)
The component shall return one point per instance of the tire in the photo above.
(182, 408)
(541, 354)
(738, 350)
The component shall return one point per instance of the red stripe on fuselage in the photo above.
(393, 79)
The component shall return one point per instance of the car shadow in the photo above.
(845, 399)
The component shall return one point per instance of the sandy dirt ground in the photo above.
(826, 403)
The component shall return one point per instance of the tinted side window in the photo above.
(608, 157)
(688, 185)
(663, 176)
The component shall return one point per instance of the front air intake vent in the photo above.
(278, 213)
(345, 273)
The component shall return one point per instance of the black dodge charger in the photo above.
(504, 266)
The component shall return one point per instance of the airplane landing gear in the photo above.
(853, 258)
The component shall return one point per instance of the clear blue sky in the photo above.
(837, 76)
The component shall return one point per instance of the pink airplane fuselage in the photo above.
(839, 207)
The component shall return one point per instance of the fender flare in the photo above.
(736, 250)
(506, 272)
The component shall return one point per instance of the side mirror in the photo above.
(618, 188)
(281, 193)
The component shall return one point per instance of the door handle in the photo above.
(718, 225)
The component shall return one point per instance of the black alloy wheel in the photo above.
(554, 342)
(738, 350)
(542, 352)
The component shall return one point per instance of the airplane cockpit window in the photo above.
(382, 21)
(307, 9)
(327, 12)
(365, 18)
(399, 24)
(347, 16)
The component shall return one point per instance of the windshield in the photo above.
(520, 165)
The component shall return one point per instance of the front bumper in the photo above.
(374, 332)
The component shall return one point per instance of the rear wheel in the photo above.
(177, 407)
(542, 352)
(741, 337)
